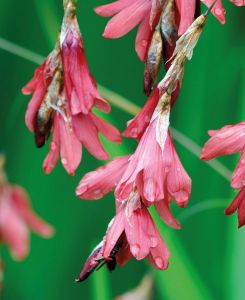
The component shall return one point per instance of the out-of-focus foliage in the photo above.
(208, 257)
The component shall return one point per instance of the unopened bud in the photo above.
(168, 26)
(153, 61)
(44, 119)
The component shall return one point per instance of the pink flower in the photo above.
(80, 86)
(154, 167)
(157, 173)
(129, 235)
(70, 135)
(225, 141)
(129, 13)
(64, 93)
(16, 219)
(38, 86)
(238, 204)
(94, 185)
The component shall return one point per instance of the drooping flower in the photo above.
(17, 219)
(226, 141)
(133, 235)
(64, 93)
(155, 167)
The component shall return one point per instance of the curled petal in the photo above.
(186, 10)
(178, 181)
(162, 208)
(113, 8)
(238, 177)
(137, 126)
(22, 205)
(96, 184)
(238, 204)
(225, 141)
(127, 19)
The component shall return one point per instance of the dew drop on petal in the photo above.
(97, 192)
(144, 43)
(64, 161)
(153, 241)
(166, 170)
(134, 131)
(159, 262)
(147, 119)
(135, 249)
(218, 11)
(53, 146)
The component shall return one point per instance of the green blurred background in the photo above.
(208, 255)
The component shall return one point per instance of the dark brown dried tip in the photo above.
(97, 261)
(198, 9)
(169, 30)
(43, 125)
(153, 61)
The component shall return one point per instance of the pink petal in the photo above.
(124, 255)
(109, 131)
(225, 141)
(70, 147)
(80, 86)
(113, 8)
(87, 133)
(54, 152)
(14, 231)
(236, 202)
(114, 232)
(217, 10)
(30, 87)
(238, 2)
(137, 231)
(137, 126)
(159, 255)
(186, 10)
(20, 200)
(238, 177)
(143, 38)
(127, 19)
(178, 181)
(96, 184)
(162, 208)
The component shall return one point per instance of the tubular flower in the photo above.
(17, 219)
(64, 93)
(226, 141)
(155, 167)
(147, 14)
(133, 235)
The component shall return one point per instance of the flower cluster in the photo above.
(226, 141)
(152, 175)
(64, 93)
(160, 23)
(17, 218)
